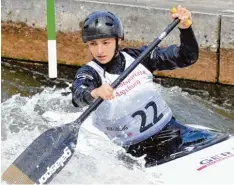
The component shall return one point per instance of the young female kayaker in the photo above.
(134, 115)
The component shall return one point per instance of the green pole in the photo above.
(51, 35)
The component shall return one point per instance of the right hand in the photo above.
(105, 92)
(183, 14)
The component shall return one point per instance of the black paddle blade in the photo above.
(45, 157)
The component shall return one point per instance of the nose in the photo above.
(100, 49)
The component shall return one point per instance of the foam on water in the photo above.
(96, 160)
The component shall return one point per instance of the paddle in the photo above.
(50, 152)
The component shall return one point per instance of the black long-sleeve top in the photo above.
(169, 58)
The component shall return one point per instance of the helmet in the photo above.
(102, 24)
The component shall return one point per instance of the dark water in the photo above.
(217, 96)
(29, 78)
(222, 95)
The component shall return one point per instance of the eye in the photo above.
(106, 42)
(92, 43)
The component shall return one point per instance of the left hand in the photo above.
(184, 15)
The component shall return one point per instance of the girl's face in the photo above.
(102, 49)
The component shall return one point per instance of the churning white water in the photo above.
(96, 160)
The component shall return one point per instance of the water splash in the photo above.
(96, 159)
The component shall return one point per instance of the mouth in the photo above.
(101, 57)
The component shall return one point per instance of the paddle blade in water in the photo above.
(44, 158)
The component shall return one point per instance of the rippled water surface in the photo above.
(32, 103)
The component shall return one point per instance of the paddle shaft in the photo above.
(138, 60)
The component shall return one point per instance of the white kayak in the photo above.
(211, 164)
